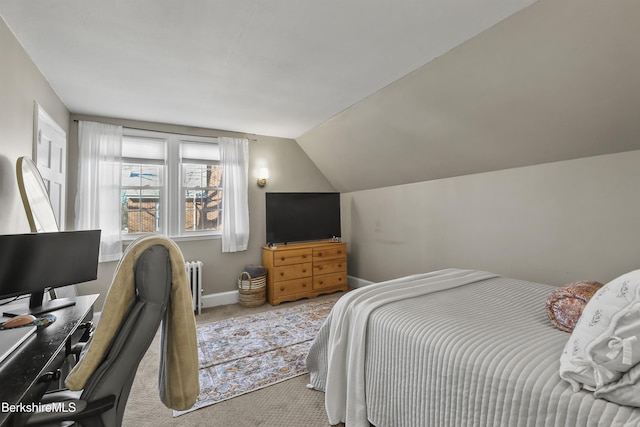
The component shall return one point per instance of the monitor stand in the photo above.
(43, 307)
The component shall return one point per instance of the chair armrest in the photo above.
(88, 330)
(76, 349)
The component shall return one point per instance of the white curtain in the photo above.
(98, 196)
(234, 154)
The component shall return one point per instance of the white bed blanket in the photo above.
(345, 332)
(480, 354)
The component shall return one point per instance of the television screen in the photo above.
(301, 217)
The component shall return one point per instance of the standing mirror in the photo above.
(35, 197)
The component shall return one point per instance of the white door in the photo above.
(50, 155)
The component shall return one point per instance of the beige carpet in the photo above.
(286, 404)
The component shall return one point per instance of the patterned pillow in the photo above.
(604, 345)
(565, 304)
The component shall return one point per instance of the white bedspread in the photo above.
(450, 348)
(345, 347)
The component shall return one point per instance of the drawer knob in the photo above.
(339, 252)
(282, 273)
(321, 282)
(319, 253)
(340, 279)
(304, 271)
(320, 268)
(304, 285)
(281, 288)
(282, 258)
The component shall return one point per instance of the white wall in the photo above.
(552, 223)
(21, 85)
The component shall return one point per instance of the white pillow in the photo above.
(604, 344)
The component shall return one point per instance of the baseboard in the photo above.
(220, 298)
(232, 297)
(356, 282)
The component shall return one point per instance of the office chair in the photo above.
(103, 399)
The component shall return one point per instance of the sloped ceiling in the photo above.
(270, 67)
(558, 80)
(377, 93)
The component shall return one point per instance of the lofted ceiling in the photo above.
(270, 67)
(557, 81)
(377, 93)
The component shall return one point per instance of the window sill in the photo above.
(128, 239)
(197, 237)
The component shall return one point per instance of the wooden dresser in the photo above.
(304, 270)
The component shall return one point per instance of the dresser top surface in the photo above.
(302, 245)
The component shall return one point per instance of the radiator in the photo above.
(194, 275)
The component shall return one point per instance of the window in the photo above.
(170, 184)
(201, 186)
(142, 184)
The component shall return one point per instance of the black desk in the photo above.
(42, 352)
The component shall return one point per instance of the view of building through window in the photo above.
(203, 196)
(141, 197)
(170, 184)
(140, 189)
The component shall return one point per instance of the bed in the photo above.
(451, 348)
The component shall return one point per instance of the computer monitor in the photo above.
(35, 262)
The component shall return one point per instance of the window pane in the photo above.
(140, 211)
(203, 210)
(200, 175)
(130, 175)
(141, 175)
(194, 175)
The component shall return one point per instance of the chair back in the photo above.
(115, 374)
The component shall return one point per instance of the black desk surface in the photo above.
(20, 371)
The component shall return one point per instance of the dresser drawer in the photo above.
(329, 252)
(304, 270)
(293, 256)
(329, 266)
(295, 271)
(329, 280)
(288, 287)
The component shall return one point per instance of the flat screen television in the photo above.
(302, 217)
(35, 262)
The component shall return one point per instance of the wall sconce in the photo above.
(263, 175)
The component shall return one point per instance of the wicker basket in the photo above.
(252, 290)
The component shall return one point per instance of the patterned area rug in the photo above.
(247, 353)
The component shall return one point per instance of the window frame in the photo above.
(157, 161)
(172, 212)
